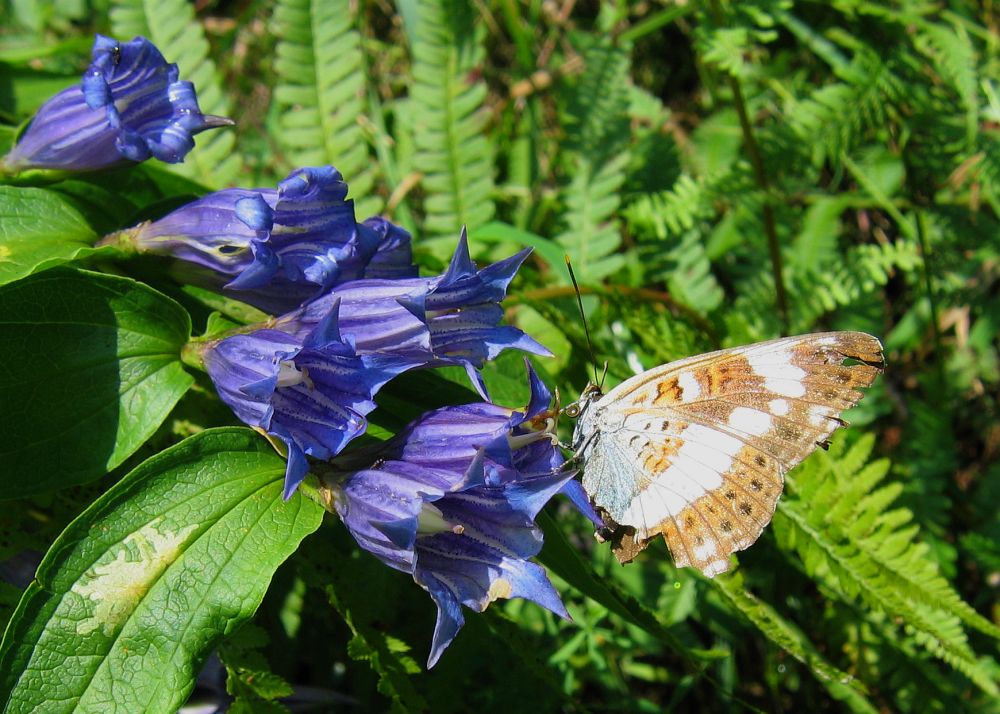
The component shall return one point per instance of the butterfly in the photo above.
(696, 450)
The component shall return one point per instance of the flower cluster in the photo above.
(128, 107)
(453, 498)
(309, 377)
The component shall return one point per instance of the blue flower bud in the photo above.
(129, 106)
(277, 248)
(449, 319)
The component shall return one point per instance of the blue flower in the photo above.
(393, 258)
(279, 247)
(312, 393)
(452, 500)
(128, 107)
(450, 319)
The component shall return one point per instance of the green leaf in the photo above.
(137, 591)
(597, 137)
(39, 229)
(499, 232)
(90, 368)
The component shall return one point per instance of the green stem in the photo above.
(925, 253)
(655, 22)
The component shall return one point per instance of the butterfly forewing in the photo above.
(696, 450)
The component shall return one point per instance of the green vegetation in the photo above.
(720, 173)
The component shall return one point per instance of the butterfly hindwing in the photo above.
(696, 450)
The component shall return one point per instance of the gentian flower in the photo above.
(452, 500)
(393, 258)
(129, 106)
(312, 393)
(450, 319)
(278, 247)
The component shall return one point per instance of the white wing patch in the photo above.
(750, 421)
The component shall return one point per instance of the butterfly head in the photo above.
(591, 393)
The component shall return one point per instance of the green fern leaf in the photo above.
(955, 60)
(172, 27)
(446, 104)
(841, 685)
(320, 66)
(675, 211)
(591, 236)
(836, 518)
(597, 156)
(834, 118)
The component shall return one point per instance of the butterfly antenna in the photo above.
(583, 316)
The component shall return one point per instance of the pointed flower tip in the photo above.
(541, 396)
(328, 329)
(461, 262)
(128, 107)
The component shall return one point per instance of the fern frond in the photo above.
(597, 138)
(837, 518)
(446, 104)
(862, 270)
(321, 71)
(673, 212)
(841, 685)
(834, 118)
(954, 57)
(985, 550)
(685, 268)
(591, 234)
(172, 27)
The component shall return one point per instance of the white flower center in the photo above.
(289, 375)
(430, 521)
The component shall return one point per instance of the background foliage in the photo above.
(720, 173)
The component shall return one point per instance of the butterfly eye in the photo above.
(572, 411)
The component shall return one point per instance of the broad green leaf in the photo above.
(137, 591)
(90, 368)
(39, 229)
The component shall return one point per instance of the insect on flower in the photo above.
(696, 450)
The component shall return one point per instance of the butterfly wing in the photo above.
(696, 450)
